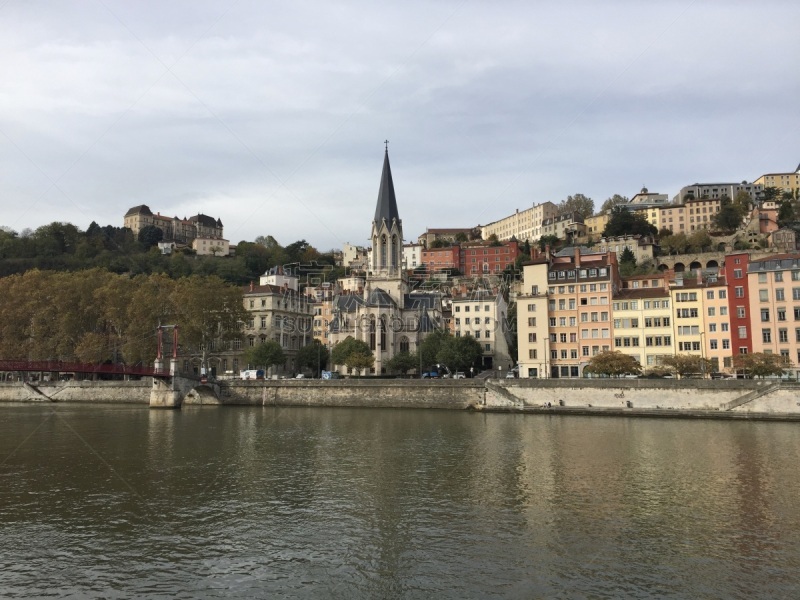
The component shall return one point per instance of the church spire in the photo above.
(387, 203)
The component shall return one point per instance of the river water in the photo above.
(209, 502)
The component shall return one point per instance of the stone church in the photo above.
(386, 313)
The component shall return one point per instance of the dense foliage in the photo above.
(97, 316)
(613, 364)
(64, 247)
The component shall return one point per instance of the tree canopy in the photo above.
(615, 200)
(267, 354)
(403, 362)
(687, 364)
(613, 363)
(313, 356)
(353, 354)
(627, 222)
(760, 364)
(578, 204)
(459, 353)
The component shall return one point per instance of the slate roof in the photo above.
(387, 203)
(379, 297)
(415, 301)
(347, 303)
(142, 209)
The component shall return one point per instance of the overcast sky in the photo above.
(272, 116)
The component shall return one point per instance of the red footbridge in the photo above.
(57, 366)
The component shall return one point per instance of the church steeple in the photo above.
(387, 203)
(387, 228)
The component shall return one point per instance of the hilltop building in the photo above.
(182, 231)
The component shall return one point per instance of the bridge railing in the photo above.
(76, 367)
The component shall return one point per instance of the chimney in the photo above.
(251, 286)
(577, 257)
(699, 276)
(547, 251)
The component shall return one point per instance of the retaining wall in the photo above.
(769, 396)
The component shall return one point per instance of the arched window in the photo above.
(372, 333)
(384, 244)
(404, 345)
(397, 252)
(383, 334)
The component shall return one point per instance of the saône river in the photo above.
(210, 502)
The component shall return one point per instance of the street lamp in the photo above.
(472, 372)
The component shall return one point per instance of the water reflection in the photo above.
(266, 501)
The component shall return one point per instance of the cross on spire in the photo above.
(386, 143)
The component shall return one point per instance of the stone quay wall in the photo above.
(722, 398)
(116, 392)
(688, 395)
(373, 393)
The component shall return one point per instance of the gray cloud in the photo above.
(272, 117)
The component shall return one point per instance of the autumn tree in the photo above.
(760, 364)
(579, 204)
(687, 364)
(615, 200)
(613, 363)
(209, 311)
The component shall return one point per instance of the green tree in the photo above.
(353, 354)
(771, 194)
(150, 235)
(462, 237)
(613, 364)
(403, 362)
(687, 364)
(728, 219)
(267, 354)
(578, 204)
(786, 213)
(440, 243)
(615, 200)
(313, 356)
(548, 240)
(429, 347)
(459, 353)
(742, 202)
(626, 222)
(760, 364)
(627, 262)
(700, 241)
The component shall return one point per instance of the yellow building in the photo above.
(533, 355)
(786, 182)
(687, 312)
(643, 320)
(523, 225)
(595, 225)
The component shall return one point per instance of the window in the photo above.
(764, 315)
(766, 336)
(739, 292)
(763, 295)
(743, 332)
(711, 311)
(532, 353)
(723, 294)
(783, 336)
(726, 345)
(740, 312)
(781, 314)
(531, 321)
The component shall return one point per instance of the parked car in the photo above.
(511, 375)
(459, 375)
